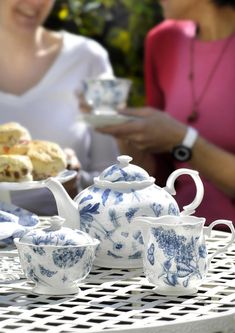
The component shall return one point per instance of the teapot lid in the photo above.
(56, 235)
(124, 172)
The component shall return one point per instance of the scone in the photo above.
(48, 158)
(15, 168)
(11, 134)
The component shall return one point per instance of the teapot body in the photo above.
(106, 209)
(107, 214)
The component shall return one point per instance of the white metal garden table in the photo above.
(113, 300)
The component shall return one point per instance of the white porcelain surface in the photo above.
(106, 209)
(56, 259)
(62, 177)
(175, 257)
(104, 119)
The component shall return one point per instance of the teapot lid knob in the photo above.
(56, 222)
(124, 160)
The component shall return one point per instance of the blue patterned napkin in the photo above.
(14, 222)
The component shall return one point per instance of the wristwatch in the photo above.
(183, 152)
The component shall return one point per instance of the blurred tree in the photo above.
(119, 25)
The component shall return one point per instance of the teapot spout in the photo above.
(67, 208)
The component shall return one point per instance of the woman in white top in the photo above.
(41, 75)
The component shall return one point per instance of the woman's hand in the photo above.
(84, 107)
(150, 130)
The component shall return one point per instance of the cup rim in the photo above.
(111, 79)
(157, 221)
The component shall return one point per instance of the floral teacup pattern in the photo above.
(175, 258)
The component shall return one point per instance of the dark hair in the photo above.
(223, 3)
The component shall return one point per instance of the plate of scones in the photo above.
(27, 163)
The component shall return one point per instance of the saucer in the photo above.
(104, 119)
(62, 177)
(45, 290)
(175, 291)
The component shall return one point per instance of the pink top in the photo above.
(167, 68)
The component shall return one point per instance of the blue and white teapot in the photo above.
(106, 209)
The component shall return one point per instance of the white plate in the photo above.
(62, 177)
(102, 119)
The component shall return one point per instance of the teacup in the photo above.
(106, 95)
(175, 257)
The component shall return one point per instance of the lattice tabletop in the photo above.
(113, 300)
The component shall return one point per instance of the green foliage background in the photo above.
(119, 25)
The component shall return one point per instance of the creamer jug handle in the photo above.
(229, 240)
(170, 188)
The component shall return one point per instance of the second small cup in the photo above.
(106, 95)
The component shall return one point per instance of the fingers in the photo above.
(124, 130)
(138, 130)
(138, 112)
(139, 141)
(83, 105)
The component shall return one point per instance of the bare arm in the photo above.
(157, 132)
(215, 164)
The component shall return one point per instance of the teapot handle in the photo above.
(207, 233)
(189, 209)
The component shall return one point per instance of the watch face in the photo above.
(182, 153)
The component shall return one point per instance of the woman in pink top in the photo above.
(189, 74)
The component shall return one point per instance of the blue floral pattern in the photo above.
(114, 218)
(136, 255)
(150, 254)
(39, 249)
(67, 257)
(89, 197)
(46, 272)
(173, 210)
(118, 174)
(105, 215)
(46, 237)
(157, 209)
(105, 196)
(31, 275)
(138, 237)
(58, 267)
(86, 215)
(131, 213)
(182, 256)
(108, 93)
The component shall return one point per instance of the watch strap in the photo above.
(190, 137)
(183, 151)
